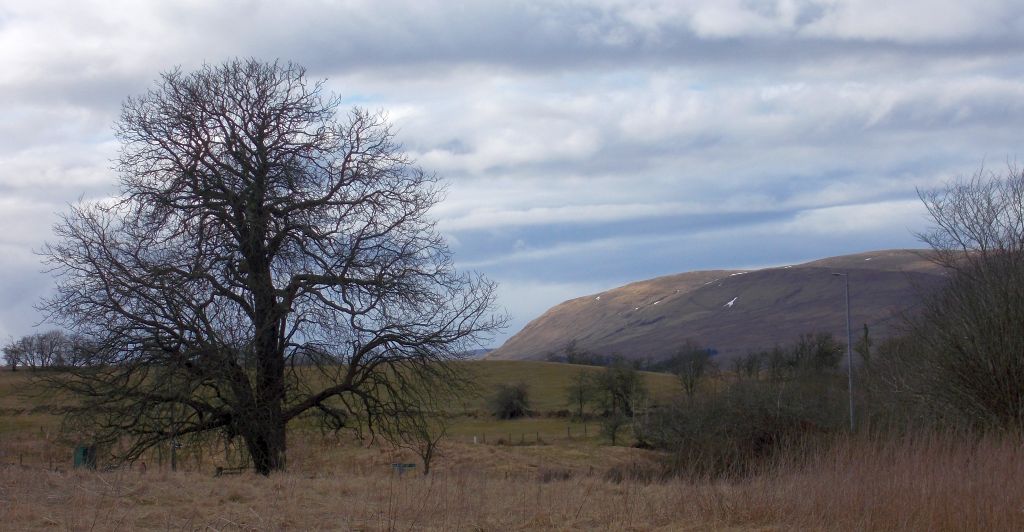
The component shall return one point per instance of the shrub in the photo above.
(734, 431)
(731, 433)
(510, 401)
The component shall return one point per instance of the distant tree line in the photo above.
(45, 350)
(572, 353)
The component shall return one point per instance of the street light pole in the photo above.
(849, 346)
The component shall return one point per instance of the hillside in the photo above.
(733, 311)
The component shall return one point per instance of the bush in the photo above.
(731, 433)
(734, 431)
(510, 401)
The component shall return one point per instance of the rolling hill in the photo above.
(733, 311)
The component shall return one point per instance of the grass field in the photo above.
(929, 483)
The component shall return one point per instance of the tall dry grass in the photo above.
(932, 482)
(925, 483)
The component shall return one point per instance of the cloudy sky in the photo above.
(585, 144)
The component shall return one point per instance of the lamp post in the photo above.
(849, 345)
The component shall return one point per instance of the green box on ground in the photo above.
(85, 456)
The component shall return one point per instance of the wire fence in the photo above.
(520, 437)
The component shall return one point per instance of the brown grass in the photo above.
(934, 483)
(938, 482)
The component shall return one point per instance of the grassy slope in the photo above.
(649, 319)
(22, 408)
(547, 380)
(21, 405)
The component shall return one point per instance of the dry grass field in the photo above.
(927, 483)
(933, 484)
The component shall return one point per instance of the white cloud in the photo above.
(25, 224)
(560, 124)
(489, 218)
(843, 220)
(917, 20)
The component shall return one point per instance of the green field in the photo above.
(30, 432)
(547, 381)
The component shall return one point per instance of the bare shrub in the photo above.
(962, 361)
(735, 431)
(510, 401)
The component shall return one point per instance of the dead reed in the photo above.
(915, 483)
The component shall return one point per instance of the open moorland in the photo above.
(545, 471)
(733, 311)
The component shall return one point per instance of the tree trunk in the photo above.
(267, 446)
(267, 443)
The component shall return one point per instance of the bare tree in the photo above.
(612, 424)
(51, 349)
(976, 220)
(266, 258)
(13, 354)
(972, 359)
(422, 435)
(619, 389)
(580, 391)
(692, 363)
